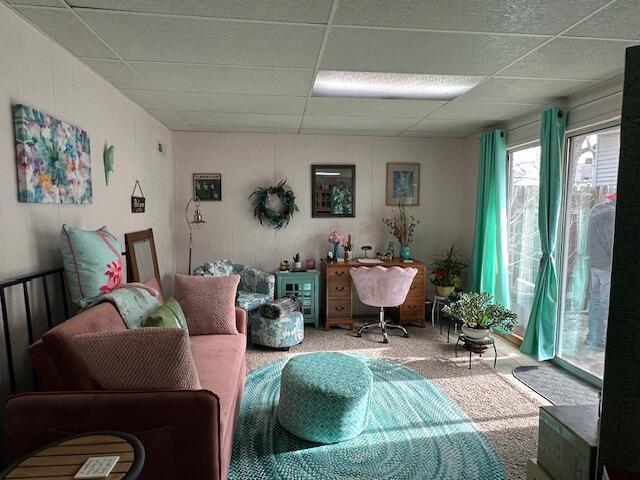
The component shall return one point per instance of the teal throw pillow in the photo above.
(92, 263)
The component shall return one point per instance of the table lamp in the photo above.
(195, 223)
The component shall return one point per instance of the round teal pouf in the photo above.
(324, 397)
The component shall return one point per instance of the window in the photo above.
(524, 235)
(590, 208)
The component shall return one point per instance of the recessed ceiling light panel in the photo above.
(339, 83)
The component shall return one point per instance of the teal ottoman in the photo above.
(324, 397)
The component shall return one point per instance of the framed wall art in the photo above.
(403, 184)
(53, 159)
(333, 191)
(207, 186)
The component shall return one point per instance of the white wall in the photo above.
(37, 72)
(248, 161)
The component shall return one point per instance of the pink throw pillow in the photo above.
(139, 359)
(208, 303)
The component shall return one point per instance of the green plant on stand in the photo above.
(480, 315)
(447, 272)
(402, 226)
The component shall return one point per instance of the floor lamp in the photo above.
(195, 223)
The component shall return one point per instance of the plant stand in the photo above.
(477, 346)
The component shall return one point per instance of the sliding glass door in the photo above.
(589, 218)
(524, 234)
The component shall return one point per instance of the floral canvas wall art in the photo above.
(53, 159)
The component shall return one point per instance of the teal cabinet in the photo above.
(306, 287)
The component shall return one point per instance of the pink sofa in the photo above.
(186, 434)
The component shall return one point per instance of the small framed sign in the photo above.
(137, 203)
(207, 186)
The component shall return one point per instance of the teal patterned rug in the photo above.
(414, 432)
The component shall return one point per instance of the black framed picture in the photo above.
(333, 191)
(207, 186)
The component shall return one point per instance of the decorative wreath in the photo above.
(276, 219)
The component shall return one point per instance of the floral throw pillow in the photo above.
(92, 263)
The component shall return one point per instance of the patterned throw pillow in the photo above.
(208, 303)
(168, 315)
(92, 263)
(141, 359)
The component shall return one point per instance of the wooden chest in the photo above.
(567, 441)
(338, 294)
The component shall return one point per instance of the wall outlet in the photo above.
(162, 148)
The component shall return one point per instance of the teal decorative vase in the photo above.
(405, 252)
(335, 250)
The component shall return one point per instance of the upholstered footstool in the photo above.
(324, 397)
(283, 332)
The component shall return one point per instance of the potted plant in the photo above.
(297, 264)
(402, 226)
(480, 315)
(447, 272)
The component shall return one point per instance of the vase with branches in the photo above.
(402, 226)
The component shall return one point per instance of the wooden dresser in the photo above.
(338, 294)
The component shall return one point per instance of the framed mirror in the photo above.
(333, 191)
(142, 262)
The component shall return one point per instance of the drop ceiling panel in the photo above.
(312, 11)
(421, 52)
(523, 90)
(377, 133)
(325, 122)
(148, 99)
(445, 127)
(363, 107)
(619, 20)
(481, 112)
(168, 117)
(220, 102)
(41, 3)
(224, 79)
(573, 58)
(246, 120)
(532, 16)
(116, 72)
(60, 24)
(198, 40)
(199, 128)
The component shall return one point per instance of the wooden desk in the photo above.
(338, 297)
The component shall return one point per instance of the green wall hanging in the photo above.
(108, 163)
(276, 217)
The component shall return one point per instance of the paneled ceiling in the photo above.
(249, 65)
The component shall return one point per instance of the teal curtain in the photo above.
(540, 337)
(489, 268)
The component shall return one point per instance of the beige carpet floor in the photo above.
(501, 407)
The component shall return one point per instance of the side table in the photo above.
(306, 287)
(63, 458)
(477, 345)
